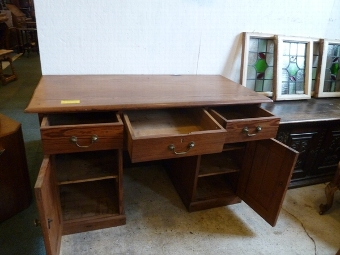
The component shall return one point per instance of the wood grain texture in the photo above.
(150, 136)
(121, 92)
(48, 202)
(56, 138)
(303, 111)
(235, 118)
(15, 189)
(265, 175)
(86, 166)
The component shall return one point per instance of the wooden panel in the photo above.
(121, 92)
(317, 143)
(15, 189)
(183, 174)
(56, 136)
(306, 111)
(151, 132)
(329, 155)
(265, 177)
(48, 203)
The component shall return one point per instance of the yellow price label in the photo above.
(70, 101)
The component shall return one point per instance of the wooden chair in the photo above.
(330, 189)
(5, 55)
(28, 40)
(26, 31)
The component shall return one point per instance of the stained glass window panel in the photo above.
(332, 73)
(293, 67)
(260, 64)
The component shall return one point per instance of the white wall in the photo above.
(168, 36)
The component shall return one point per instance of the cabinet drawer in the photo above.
(170, 133)
(78, 132)
(246, 122)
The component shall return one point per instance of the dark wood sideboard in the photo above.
(217, 144)
(311, 127)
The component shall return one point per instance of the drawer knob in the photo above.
(172, 148)
(74, 140)
(245, 130)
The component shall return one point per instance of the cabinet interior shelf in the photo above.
(212, 187)
(90, 199)
(216, 164)
(234, 146)
(86, 166)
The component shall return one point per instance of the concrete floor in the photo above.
(158, 223)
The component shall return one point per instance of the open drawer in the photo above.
(169, 133)
(78, 132)
(246, 122)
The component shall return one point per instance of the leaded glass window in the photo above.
(332, 74)
(293, 67)
(328, 78)
(281, 67)
(294, 78)
(260, 64)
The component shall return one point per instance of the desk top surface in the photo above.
(74, 93)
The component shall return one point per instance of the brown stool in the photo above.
(330, 189)
(5, 55)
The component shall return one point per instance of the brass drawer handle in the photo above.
(172, 148)
(245, 130)
(2, 151)
(74, 139)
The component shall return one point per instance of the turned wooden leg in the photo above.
(2, 76)
(329, 191)
(14, 74)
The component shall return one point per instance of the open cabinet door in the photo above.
(265, 176)
(48, 203)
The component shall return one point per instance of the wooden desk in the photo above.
(216, 142)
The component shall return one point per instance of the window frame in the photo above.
(245, 54)
(320, 79)
(277, 95)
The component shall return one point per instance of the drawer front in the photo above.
(250, 130)
(155, 146)
(173, 147)
(259, 124)
(80, 138)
